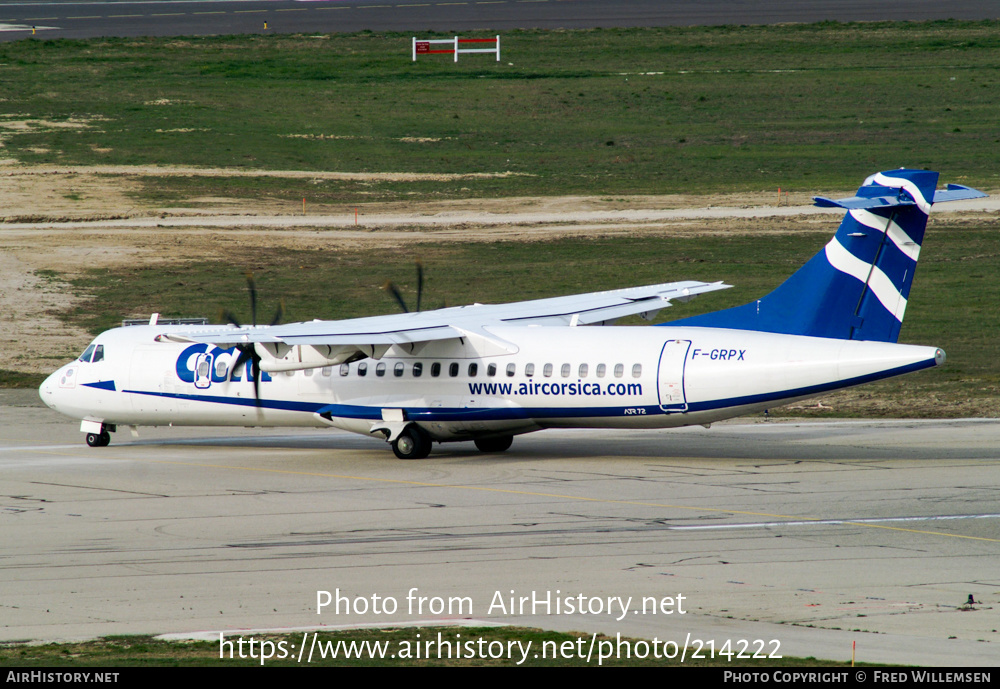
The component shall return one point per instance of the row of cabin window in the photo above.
(417, 370)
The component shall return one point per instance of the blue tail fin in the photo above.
(856, 288)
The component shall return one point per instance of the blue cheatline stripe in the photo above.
(282, 405)
(103, 385)
(811, 390)
(429, 414)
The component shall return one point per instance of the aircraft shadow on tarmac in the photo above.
(852, 441)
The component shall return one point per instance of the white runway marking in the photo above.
(25, 27)
(877, 520)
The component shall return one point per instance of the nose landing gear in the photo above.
(102, 439)
(98, 434)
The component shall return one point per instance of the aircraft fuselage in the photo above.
(543, 377)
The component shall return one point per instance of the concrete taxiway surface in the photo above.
(816, 535)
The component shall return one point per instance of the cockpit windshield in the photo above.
(92, 354)
(87, 353)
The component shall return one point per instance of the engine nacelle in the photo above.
(276, 356)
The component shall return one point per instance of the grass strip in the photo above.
(698, 109)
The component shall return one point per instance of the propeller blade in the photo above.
(228, 316)
(391, 288)
(420, 283)
(279, 313)
(248, 352)
(240, 360)
(255, 374)
(252, 286)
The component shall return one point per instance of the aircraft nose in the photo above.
(47, 390)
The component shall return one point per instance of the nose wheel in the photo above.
(102, 439)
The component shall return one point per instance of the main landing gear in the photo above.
(412, 443)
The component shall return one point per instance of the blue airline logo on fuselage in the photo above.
(186, 362)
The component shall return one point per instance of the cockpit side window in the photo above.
(98, 354)
(85, 357)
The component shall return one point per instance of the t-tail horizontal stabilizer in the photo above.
(857, 286)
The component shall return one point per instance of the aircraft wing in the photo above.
(451, 323)
(380, 330)
(313, 344)
(599, 307)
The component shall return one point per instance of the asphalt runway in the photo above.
(811, 535)
(82, 19)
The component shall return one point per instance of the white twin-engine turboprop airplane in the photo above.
(485, 373)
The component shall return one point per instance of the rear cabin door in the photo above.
(670, 376)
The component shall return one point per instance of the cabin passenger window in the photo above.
(436, 369)
(98, 354)
(491, 370)
(327, 371)
(529, 370)
(362, 369)
(473, 370)
(345, 369)
(601, 368)
(511, 370)
(380, 369)
(547, 370)
(453, 369)
(308, 372)
(418, 369)
(565, 370)
(583, 371)
(397, 370)
(637, 370)
(619, 370)
(221, 368)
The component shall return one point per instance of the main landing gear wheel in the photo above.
(102, 439)
(494, 444)
(412, 443)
